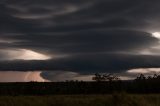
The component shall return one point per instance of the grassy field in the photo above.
(82, 100)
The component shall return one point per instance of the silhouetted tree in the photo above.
(155, 76)
(141, 77)
(111, 77)
(98, 77)
(149, 77)
(105, 77)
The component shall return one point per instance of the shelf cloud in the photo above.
(84, 36)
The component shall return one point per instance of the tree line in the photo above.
(102, 84)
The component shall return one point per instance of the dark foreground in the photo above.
(76, 88)
(82, 100)
(74, 93)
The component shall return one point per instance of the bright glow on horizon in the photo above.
(156, 34)
(144, 70)
(34, 76)
(20, 76)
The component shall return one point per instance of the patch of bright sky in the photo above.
(156, 34)
(144, 70)
(23, 54)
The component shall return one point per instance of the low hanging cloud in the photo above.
(64, 76)
(85, 64)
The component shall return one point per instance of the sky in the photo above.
(55, 40)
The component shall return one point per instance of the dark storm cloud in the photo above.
(92, 33)
(58, 16)
(59, 75)
(89, 41)
(86, 63)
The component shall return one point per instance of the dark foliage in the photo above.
(105, 77)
